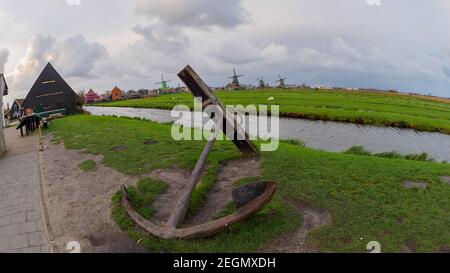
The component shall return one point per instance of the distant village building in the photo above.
(322, 87)
(50, 94)
(3, 92)
(105, 96)
(92, 97)
(168, 91)
(116, 94)
(17, 110)
(181, 89)
(143, 92)
(131, 92)
(305, 86)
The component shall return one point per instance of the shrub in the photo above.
(357, 150)
(297, 142)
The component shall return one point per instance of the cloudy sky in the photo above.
(388, 44)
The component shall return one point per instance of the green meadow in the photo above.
(362, 107)
(363, 193)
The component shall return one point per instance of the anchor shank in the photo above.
(180, 210)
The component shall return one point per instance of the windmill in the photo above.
(280, 82)
(235, 83)
(262, 83)
(163, 83)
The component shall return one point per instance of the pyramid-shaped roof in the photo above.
(116, 89)
(49, 86)
(91, 94)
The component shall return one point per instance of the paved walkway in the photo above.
(22, 221)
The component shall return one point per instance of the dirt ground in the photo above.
(220, 194)
(78, 203)
(176, 180)
(296, 242)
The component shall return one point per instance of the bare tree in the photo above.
(80, 100)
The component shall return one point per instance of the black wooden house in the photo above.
(50, 94)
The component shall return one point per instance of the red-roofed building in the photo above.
(116, 94)
(92, 97)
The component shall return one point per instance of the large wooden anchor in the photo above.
(249, 199)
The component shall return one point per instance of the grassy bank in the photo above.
(364, 194)
(375, 108)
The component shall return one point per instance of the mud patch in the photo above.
(410, 246)
(150, 142)
(119, 148)
(401, 221)
(296, 242)
(445, 179)
(96, 240)
(220, 195)
(443, 249)
(415, 185)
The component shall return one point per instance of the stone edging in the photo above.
(46, 218)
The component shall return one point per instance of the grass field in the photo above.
(88, 165)
(364, 194)
(375, 108)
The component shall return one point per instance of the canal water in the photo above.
(326, 135)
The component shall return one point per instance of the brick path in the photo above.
(22, 222)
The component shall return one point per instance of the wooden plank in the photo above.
(198, 88)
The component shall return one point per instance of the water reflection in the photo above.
(326, 135)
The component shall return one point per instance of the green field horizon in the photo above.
(361, 107)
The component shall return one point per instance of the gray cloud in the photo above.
(231, 49)
(40, 50)
(74, 54)
(72, 57)
(4, 55)
(394, 45)
(78, 56)
(195, 13)
(163, 38)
